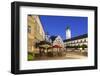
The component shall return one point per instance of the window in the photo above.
(81, 41)
(29, 29)
(85, 40)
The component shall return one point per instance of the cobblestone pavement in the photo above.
(68, 55)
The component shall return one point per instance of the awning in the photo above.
(57, 46)
(44, 44)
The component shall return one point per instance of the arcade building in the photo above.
(80, 41)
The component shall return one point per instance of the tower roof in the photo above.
(77, 37)
(67, 27)
(53, 38)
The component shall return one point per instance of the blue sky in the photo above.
(56, 25)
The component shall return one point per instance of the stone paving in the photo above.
(68, 55)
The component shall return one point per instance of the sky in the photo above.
(56, 25)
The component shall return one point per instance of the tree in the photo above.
(83, 46)
(78, 46)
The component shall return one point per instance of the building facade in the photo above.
(57, 43)
(77, 41)
(35, 32)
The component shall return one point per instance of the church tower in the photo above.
(68, 33)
